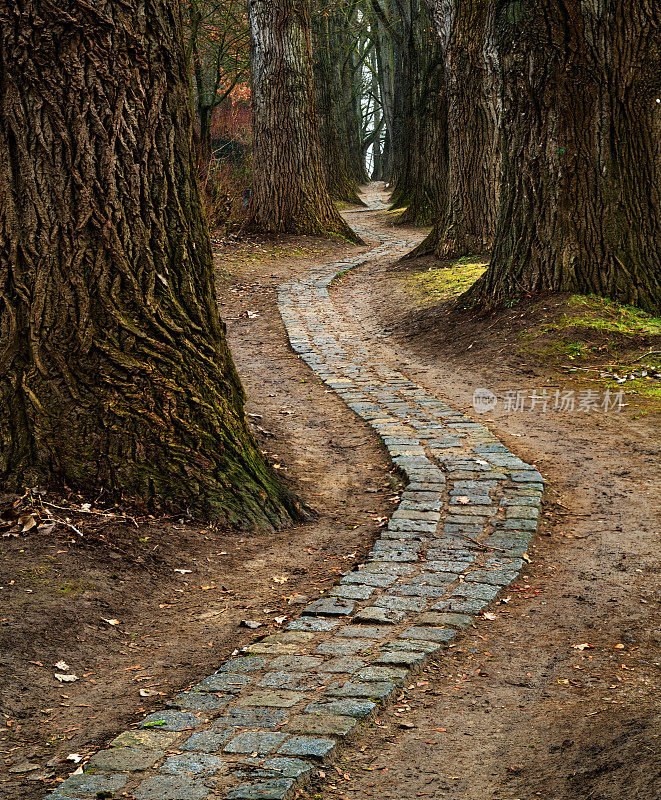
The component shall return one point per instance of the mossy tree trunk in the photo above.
(289, 193)
(581, 207)
(115, 373)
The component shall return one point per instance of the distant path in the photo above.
(261, 725)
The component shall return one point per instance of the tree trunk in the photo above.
(582, 165)
(467, 224)
(114, 369)
(427, 176)
(330, 53)
(289, 188)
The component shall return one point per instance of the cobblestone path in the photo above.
(262, 724)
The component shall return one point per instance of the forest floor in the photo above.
(555, 695)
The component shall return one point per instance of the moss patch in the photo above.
(441, 283)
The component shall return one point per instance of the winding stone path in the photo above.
(262, 724)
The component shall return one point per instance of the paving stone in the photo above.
(170, 720)
(520, 500)
(437, 618)
(381, 616)
(260, 742)
(296, 663)
(308, 747)
(152, 740)
(401, 658)
(394, 603)
(420, 590)
(223, 682)
(359, 709)
(276, 767)
(375, 690)
(495, 577)
(88, 784)
(448, 565)
(413, 646)
(209, 741)
(527, 476)
(475, 591)
(347, 647)
(352, 592)
(278, 789)
(290, 680)
(460, 605)
(193, 763)
(380, 673)
(250, 718)
(242, 664)
(522, 512)
(330, 607)
(125, 759)
(434, 578)
(199, 701)
(419, 633)
(282, 699)
(347, 665)
(170, 787)
(322, 725)
(313, 624)
(363, 632)
(388, 568)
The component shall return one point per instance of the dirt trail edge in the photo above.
(264, 722)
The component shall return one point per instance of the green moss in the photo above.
(602, 314)
(73, 588)
(438, 284)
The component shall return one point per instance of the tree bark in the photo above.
(467, 224)
(289, 188)
(331, 52)
(582, 164)
(114, 368)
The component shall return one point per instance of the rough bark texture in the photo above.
(582, 165)
(424, 184)
(331, 56)
(289, 187)
(114, 370)
(467, 224)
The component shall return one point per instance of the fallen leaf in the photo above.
(584, 646)
(65, 678)
(183, 571)
(110, 621)
(619, 647)
(75, 757)
(526, 557)
(61, 665)
(148, 692)
(279, 620)
(463, 500)
(282, 579)
(489, 615)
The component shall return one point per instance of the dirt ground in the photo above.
(556, 696)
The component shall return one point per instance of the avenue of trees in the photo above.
(530, 128)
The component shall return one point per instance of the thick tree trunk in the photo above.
(114, 369)
(468, 222)
(582, 166)
(289, 187)
(330, 51)
(426, 185)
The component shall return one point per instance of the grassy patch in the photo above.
(601, 314)
(438, 284)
